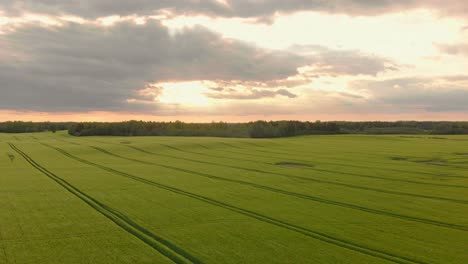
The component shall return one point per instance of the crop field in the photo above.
(314, 199)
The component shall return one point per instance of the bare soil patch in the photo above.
(398, 158)
(433, 162)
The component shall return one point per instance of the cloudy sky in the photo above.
(233, 60)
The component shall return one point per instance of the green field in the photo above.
(314, 199)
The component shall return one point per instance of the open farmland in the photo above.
(314, 199)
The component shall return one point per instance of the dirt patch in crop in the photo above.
(293, 165)
(433, 162)
(399, 158)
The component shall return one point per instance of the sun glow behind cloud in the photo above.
(185, 93)
(407, 37)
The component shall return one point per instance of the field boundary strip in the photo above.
(270, 220)
(297, 195)
(163, 246)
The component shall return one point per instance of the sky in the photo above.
(233, 60)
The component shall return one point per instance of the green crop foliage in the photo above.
(310, 199)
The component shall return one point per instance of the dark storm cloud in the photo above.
(437, 94)
(234, 8)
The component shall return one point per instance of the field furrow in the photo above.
(298, 195)
(171, 251)
(293, 176)
(310, 233)
(386, 199)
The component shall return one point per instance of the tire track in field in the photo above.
(356, 174)
(356, 166)
(205, 154)
(329, 163)
(163, 246)
(231, 146)
(282, 174)
(295, 177)
(297, 195)
(69, 142)
(263, 218)
(296, 153)
(3, 247)
(240, 159)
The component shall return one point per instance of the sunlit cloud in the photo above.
(221, 59)
(406, 36)
(185, 93)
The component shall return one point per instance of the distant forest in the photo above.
(258, 129)
(32, 127)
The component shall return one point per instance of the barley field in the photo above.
(313, 199)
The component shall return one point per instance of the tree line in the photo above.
(32, 127)
(264, 129)
(258, 129)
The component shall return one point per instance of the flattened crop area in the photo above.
(315, 199)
